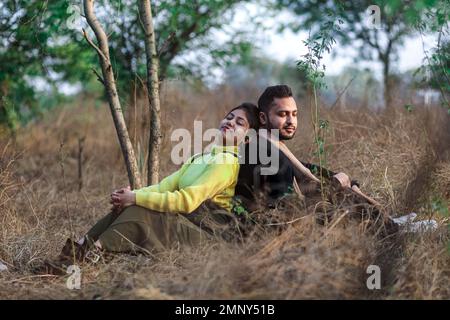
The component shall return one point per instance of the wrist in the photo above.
(354, 183)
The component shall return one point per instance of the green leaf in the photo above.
(409, 107)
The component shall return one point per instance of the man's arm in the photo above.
(326, 173)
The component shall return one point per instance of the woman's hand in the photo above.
(117, 205)
(123, 198)
(121, 189)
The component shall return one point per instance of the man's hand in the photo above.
(122, 198)
(356, 189)
(343, 179)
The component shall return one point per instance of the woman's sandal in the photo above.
(72, 253)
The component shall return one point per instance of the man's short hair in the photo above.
(266, 99)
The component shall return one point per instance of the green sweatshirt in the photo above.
(208, 176)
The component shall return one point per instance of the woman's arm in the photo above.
(169, 183)
(213, 180)
(125, 197)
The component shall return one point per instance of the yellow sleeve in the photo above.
(169, 183)
(214, 179)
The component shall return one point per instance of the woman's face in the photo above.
(234, 127)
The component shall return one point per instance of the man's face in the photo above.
(282, 116)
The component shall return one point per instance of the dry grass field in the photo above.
(400, 158)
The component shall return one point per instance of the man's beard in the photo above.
(281, 136)
(286, 137)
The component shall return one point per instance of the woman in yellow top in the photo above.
(183, 208)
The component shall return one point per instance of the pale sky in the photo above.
(290, 46)
(410, 56)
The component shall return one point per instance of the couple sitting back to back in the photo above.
(195, 202)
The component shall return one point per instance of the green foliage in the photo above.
(34, 52)
(409, 107)
(42, 43)
(429, 15)
(399, 18)
(440, 206)
(436, 68)
(319, 43)
(181, 28)
(436, 72)
(310, 64)
(398, 21)
(238, 207)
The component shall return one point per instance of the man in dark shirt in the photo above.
(278, 111)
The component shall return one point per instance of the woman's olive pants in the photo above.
(137, 229)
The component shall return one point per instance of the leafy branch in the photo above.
(311, 65)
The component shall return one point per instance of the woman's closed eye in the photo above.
(238, 120)
(241, 122)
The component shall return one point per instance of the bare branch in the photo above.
(99, 77)
(109, 83)
(92, 44)
(342, 92)
(166, 43)
(152, 56)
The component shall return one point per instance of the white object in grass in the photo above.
(3, 267)
(405, 219)
(422, 226)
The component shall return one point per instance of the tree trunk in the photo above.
(387, 89)
(131, 114)
(111, 93)
(153, 92)
(385, 60)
